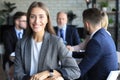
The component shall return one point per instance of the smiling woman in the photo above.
(38, 54)
(38, 20)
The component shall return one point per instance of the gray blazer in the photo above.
(52, 51)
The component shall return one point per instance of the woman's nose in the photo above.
(37, 20)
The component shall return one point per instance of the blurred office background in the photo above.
(73, 7)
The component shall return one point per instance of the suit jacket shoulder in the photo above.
(100, 56)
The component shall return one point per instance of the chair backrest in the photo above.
(2, 50)
(118, 55)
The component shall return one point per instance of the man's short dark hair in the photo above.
(93, 15)
(18, 14)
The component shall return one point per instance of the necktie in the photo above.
(61, 33)
(19, 35)
(62, 36)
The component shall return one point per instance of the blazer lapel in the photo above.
(43, 51)
(28, 54)
(67, 33)
(14, 34)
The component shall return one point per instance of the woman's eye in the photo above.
(32, 16)
(41, 16)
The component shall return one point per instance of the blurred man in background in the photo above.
(10, 38)
(68, 33)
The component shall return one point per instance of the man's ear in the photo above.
(87, 24)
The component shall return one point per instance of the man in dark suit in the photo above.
(100, 54)
(10, 38)
(68, 33)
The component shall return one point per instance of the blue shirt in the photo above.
(18, 31)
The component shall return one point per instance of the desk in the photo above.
(78, 56)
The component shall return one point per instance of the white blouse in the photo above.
(35, 52)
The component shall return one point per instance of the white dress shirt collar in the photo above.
(17, 31)
(62, 27)
(93, 34)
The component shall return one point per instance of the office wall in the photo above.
(77, 6)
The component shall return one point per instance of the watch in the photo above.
(51, 73)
